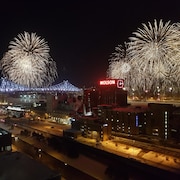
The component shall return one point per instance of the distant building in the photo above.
(16, 111)
(155, 119)
(91, 127)
(107, 105)
(160, 118)
(112, 92)
(129, 120)
(174, 126)
(64, 96)
(108, 91)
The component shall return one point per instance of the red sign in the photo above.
(119, 83)
(108, 82)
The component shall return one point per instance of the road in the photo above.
(143, 152)
(67, 171)
(81, 167)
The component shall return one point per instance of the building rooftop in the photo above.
(15, 165)
(3, 132)
(135, 109)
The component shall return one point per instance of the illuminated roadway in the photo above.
(158, 156)
(82, 163)
(155, 156)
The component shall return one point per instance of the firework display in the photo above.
(151, 59)
(28, 62)
(119, 67)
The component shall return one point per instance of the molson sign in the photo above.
(119, 83)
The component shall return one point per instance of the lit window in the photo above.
(137, 120)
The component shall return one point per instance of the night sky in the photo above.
(81, 34)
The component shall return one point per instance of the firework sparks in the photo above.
(152, 56)
(153, 52)
(119, 67)
(28, 63)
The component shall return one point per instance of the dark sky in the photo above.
(81, 34)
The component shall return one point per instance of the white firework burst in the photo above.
(153, 53)
(28, 62)
(125, 68)
(119, 67)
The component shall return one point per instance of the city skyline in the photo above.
(81, 35)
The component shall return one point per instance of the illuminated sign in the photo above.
(108, 82)
(119, 83)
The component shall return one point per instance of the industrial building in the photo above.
(111, 114)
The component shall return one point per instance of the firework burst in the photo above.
(119, 67)
(28, 63)
(151, 58)
(153, 52)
